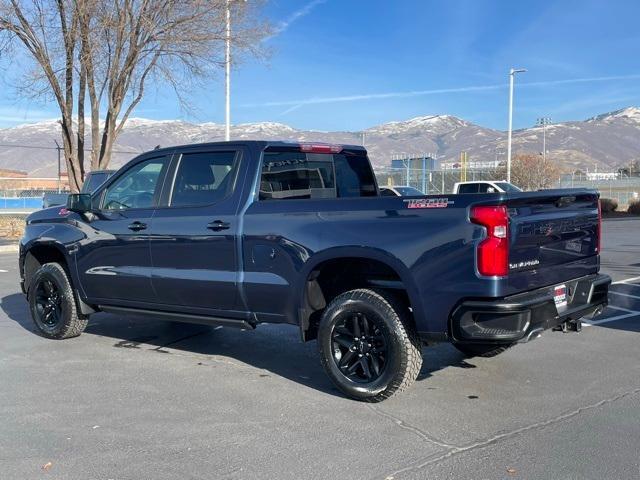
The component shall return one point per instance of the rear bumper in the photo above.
(520, 317)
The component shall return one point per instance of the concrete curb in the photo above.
(9, 248)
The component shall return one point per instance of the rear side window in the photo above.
(202, 178)
(300, 175)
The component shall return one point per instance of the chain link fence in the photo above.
(623, 189)
(19, 196)
(432, 182)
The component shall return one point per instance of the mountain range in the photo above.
(604, 142)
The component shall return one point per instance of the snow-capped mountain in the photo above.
(607, 140)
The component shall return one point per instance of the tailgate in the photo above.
(552, 227)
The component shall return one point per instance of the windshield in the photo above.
(508, 187)
(408, 191)
(94, 180)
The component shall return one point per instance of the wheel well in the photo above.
(333, 277)
(38, 256)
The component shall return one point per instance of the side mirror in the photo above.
(79, 202)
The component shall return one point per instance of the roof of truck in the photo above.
(262, 144)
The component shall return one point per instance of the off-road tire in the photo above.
(485, 350)
(403, 359)
(70, 323)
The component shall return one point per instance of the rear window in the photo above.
(300, 175)
(468, 188)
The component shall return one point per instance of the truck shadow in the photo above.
(269, 350)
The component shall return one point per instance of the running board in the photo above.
(179, 317)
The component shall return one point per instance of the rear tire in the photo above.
(53, 304)
(368, 346)
(485, 350)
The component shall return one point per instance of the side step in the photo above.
(180, 317)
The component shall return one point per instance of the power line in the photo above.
(37, 147)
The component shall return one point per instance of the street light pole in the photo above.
(512, 74)
(227, 76)
(544, 121)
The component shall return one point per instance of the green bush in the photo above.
(608, 205)
(634, 206)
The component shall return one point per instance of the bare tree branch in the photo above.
(109, 52)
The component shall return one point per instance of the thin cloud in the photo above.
(295, 16)
(417, 93)
(290, 109)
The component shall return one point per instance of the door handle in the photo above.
(137, 226)
(218, 225)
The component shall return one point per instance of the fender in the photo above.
(63, 237)
(361, 252)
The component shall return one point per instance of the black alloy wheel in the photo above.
(48, 303)
(368, 344)
(53, 304)
(359, 347)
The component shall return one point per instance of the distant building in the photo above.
(4, 172)
(18, 181)
(416, 163)
(602, 175)
(485, 165)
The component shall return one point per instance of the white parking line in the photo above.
(626, 280)
(624, 294)
(611, 319)
(613, 307)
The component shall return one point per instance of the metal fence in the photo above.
(19, 196)
(621, 189)
(434, 181)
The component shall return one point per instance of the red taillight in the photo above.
(599, 241)
(493, 251)
(320, 148)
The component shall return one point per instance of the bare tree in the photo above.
(532, 172)
(109, 51)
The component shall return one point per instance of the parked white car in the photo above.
(485, 186)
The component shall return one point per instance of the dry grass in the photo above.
(11, 227)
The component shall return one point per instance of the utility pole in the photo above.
(408, 164)
(512, 74)
(59, 169)
(544, 121)
(227, 77)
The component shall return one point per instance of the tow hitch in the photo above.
(569, 326)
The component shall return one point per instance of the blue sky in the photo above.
(352, 64)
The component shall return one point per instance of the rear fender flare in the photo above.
(363, 253)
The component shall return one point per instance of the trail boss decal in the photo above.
(428, 202)
(524, 264)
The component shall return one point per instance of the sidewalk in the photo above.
(8, 245)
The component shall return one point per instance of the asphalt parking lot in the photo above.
(132, 399)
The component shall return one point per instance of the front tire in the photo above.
(53, 305)
(367, 345)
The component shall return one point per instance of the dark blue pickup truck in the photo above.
(242, 233)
